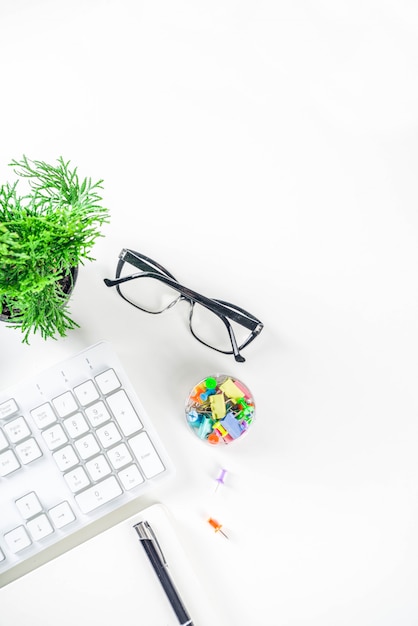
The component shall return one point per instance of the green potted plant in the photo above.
(45, 235)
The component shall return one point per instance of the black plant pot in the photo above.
(67, 283)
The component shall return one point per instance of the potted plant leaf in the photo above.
(45, 235)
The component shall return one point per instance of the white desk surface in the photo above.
(266, 153)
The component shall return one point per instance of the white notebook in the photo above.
(108, 580)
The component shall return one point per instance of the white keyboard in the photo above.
(75, 444)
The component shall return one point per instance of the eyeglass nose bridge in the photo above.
(174, 302)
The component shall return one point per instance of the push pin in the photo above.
(217, 527)
(221, 478)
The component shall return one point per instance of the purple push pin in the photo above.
(221, 478)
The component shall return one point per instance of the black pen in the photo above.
(156, 557)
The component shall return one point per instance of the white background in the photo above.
(266, 153)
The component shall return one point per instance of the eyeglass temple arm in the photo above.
(214, 306)
(142, 262)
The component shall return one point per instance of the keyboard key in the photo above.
(146, 454)
(130, 477)
(65, 404)
(39, 527)
(43, 415)
(29, 505)
(17, 539)
(124, 413)
(98, 414)
(17, 430)
(108, 435)
(28, 451)
(86, 393)
(2, 557)
(119, 456)
(76, 425)
(77, 479)
(87, 446)
(98, 468)
(98, 495)
(65, 458)
(107, 381)
(55, 437)
(8, 463)
(8, 408)
(61, 515)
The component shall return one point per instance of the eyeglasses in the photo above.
(219, 325)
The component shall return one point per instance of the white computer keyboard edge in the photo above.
(75, 444)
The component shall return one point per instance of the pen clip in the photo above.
(145, 533)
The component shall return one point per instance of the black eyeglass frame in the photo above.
(222, 309)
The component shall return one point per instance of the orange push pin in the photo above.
(217, 526)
